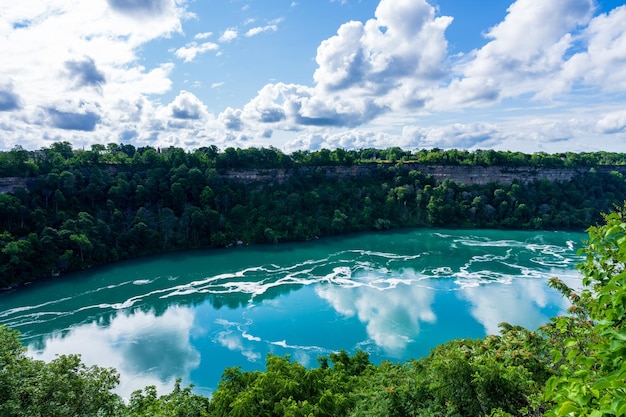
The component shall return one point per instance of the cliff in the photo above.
(460, 174)
(8, 184)
(464, 174)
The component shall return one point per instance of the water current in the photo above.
(395, 295)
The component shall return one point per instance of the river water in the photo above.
(395, 295)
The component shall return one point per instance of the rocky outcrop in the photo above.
(460, 174)
(8, 184)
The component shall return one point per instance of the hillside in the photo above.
(71, 209)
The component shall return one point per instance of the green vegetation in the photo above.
(89, 207)
(572, 366)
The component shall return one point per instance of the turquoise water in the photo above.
(395, 295)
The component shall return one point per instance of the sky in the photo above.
(524, 75)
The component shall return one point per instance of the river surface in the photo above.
(395, 295)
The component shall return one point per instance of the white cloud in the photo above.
(203, 35)
(260, 29)
(231, 119)
(228, 35)
(525, 54)
(192, 49)
(187, 106)
(456, 135)
(88, 54)
(382, 55)
(614, 122)
(602, 62)
(390, 77)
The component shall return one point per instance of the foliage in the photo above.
(88, 207)
(592, 363)
(62, 387)
(288, 389)
(181, 402)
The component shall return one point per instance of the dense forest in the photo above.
(572, 366)
(80, 208)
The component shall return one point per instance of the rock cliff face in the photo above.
(459, 174)
(8, 184)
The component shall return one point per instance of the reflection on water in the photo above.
(395, 295)
(152, 350)
(391, 315)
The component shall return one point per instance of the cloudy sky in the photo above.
(527, 75)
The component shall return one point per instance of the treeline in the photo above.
(60, 155)
(572, 366)
(86, 208)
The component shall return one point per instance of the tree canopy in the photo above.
(82, 208)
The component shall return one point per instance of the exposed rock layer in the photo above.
(464, 174)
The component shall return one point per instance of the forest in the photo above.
(572, 366)
(82, 208)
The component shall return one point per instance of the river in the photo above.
(395, 295)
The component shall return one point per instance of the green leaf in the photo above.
(566, 408)
(619, 406)
(602, 383)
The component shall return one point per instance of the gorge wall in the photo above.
(8, 184)
(460, 174)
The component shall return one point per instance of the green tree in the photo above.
(181, 402)
(62, 387)
(592, 375)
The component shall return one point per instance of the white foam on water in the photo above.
(19, 310)
(283, 343)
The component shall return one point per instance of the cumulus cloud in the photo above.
(350, 139)
(85, 73)
(260, 29)
(187, 106)
(602, 61)
(228, 35)
(365, 70)
(231, 119)
(525, 53)
(390, 77)
(203, 35)
(92, 57)
(141, 8)
(85, 121)
(189, 52)
(402, 46)
(458, 135)
(8, 99)
(295, 106)
(614, 122)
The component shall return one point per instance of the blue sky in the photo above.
(527, 75)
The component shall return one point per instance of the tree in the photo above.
(62, 387)
(593, 361)
(180, 402)
(83, 244)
